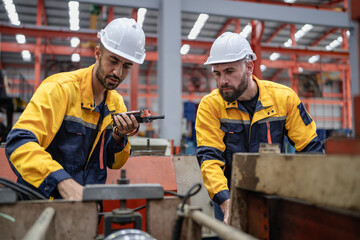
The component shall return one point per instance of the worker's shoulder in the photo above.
(276, 88)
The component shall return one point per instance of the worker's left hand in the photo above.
(124, 125)
(225, 208)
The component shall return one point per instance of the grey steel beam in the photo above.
(96, 192)
(267, 12)
(249, 10)
(151, 4)
(169, 70)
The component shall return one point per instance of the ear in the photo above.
(97, 53)
(249, 68)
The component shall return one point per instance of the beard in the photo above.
(236, 92)
(101, 76)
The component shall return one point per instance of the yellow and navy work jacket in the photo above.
(224, 128)
(60, 135)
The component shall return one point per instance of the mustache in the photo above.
(227, 86)
(113, 76)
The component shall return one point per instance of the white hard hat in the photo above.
(124, 37)
(230, 47)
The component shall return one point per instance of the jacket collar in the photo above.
(87, 97)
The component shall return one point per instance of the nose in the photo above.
(223, 79)
(118, 70)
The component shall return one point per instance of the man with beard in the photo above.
(65, 137)
(242, 113)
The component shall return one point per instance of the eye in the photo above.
(113, 61)
(217, 74)
(127, 66)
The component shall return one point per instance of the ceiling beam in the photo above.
(325, 35)
(248, 10)
(276, 32)
(268, 12)
(152, 56)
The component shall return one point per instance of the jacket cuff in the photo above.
(115, 147)
(49, 185)
(221, 196)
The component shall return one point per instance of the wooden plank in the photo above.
(72, 220)
(161, 216)
(187, 171)
(324, 180)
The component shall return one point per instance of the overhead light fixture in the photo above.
(300, 69)
(274, 56)
(141, 16)
(74, 15)
(26, 55)
(334, 43)
(20, 38)
(289, 1)
(246, 31)
(75, 57)
(298, 35)
(314, 59)
(185, 49)
(199, 24)
(74, 42)
(288, 43)
(263, 67)
(11, 12)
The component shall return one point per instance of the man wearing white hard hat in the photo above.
(65, 137)
(242, 113)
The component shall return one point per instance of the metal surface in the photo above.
(40, 227)
(169, 69)
(273, 217)
(96, 192)
(7, 195)
(121, 217)
(267, 12)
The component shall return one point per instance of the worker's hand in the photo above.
(225, 208)
(69, 189)
(124, 125)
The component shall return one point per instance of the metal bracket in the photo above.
(96, 192)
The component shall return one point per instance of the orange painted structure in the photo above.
(143, 169)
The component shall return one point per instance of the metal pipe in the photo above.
(225, 232)
(40, 227)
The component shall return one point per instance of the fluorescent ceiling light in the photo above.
(314, 59)
(141, 16)
(274, 56)
(334, 43)
(74, 42)
(300, 33)
(300, 69)
(263, 67)
(11, 12)
(74, 15)
(26, 55)
(20, 38)
(199, 24)
(75, 57)
(289, 1)
(185, 49)
(288, 43)
(246, 31)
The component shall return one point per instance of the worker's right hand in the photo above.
(69, 189)
(124, 125)
(225, 208)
